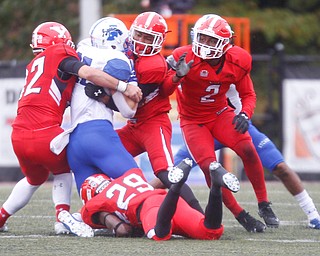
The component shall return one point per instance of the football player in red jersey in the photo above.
(50, 79)
(150, 129)
(204, 72)
(130, 202)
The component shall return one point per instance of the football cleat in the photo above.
(314, 224)
(75, 227)
(77, 216)
(180, 172)
(222, 178)
(250, 223)
(60, 229)
(4, 228)
(268, 215)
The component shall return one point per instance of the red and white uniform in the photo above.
(150, 129)
(124, 195)
(43, 101)
(205, 114)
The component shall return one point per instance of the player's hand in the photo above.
(241, 122)
(94, 91)
(182, 68)
(133, 92)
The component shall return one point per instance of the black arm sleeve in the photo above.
(70, 65)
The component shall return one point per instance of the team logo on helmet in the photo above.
(112, 33)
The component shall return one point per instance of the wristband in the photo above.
(179, 76)
(117, 226)
(122, 86)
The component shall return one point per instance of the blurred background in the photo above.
(283, 37)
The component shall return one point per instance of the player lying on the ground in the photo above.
(129, 202)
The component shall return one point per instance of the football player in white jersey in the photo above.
(93, 145)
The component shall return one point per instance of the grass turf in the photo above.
(31, 230)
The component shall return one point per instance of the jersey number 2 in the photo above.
(38, 67)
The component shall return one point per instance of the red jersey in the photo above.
(203, 89)
(122, 196)
(151, 70)
(45, 96)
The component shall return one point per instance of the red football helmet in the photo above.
(49, 33)
(155, 27)
(93, 185)
(218, 29)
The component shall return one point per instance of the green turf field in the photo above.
(31, 230)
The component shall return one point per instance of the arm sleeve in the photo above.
(70, 65)
(121, 104)
(247, 95)
(168, 86)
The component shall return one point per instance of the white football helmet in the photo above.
(109, 33)
(213, 26)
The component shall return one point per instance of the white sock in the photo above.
(307, 205)
(20, 196)
(61, 189)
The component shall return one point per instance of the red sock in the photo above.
(3, 216)
(61, 207)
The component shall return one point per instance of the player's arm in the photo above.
(73, 66)
(111, 221)
(124, 104)
(248, 100)
(247, 95)
(116, 100)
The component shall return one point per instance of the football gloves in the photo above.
(182, 68)
(241, 122)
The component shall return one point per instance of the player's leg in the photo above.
(157, 142)
(273, 160)
(25, 145)
(95, 147)
(19, 198)
(244, 148)
(244, 218)
(62, 177)
(177, 176)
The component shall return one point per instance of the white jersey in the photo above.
(83, 108)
